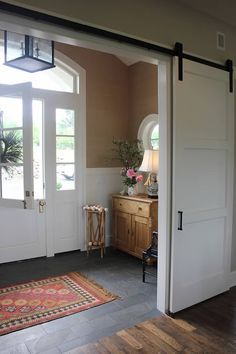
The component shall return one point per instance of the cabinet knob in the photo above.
(139, 208)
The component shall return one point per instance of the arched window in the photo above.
(149, 132)
(155, 137)
(61, 78)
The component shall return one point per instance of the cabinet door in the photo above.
(122, 230)
(141, 234)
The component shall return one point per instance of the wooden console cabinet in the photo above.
(133, 220)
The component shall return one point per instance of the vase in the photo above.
(131, 191)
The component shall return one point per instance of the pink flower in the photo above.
(131, 173)
(139, 178)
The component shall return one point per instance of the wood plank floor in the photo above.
(209, 327)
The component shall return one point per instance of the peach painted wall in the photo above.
(118, 97)
(107, 101)
(143, 94)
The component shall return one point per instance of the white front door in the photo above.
(202, 185)
(47, 173)
(22, 233)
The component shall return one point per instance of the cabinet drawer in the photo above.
(132, 207)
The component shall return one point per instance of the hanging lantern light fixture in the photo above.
(28, 53)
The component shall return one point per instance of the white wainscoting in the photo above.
(232, 281)
(101, 183)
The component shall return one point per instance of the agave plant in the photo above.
(11, 151)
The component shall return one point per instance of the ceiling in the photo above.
(221, 10)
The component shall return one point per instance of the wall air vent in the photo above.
(220, 40)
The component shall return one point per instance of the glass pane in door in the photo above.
(12, 112)
(12, 182)
(11, 148)
(65, 122)
(65, 177)
(65, 149)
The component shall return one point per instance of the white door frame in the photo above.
(165, 181)
(26, 26)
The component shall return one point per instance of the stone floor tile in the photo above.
(18, 337)
(18, 349)
(64, 322)
(118, 272)
(49, 341)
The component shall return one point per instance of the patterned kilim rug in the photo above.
(32, 303)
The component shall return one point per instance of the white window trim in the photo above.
(145, 129)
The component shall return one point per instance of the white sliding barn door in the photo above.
(202, 185)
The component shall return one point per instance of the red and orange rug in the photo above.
(36, 302)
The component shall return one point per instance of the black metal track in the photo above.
(205, 62)
(78, 27)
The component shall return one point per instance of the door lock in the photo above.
(42, 203)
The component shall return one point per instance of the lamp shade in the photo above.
(150, 161)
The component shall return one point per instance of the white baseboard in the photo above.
(232, 281)
(108, 240)
(101, 184)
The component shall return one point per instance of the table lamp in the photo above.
(150, 164)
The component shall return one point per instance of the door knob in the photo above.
(42, 203)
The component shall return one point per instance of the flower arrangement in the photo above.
(130, 154)
(130, 177)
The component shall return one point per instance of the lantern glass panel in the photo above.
(15, 45)
(42, 49)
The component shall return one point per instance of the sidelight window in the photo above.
(65, 149)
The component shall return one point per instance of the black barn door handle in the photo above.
(180, 220)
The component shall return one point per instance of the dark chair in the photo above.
(150, 256)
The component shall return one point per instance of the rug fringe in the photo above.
(99, 286)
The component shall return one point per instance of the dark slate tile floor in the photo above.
(117, 272)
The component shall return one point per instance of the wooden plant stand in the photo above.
(95, 224)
